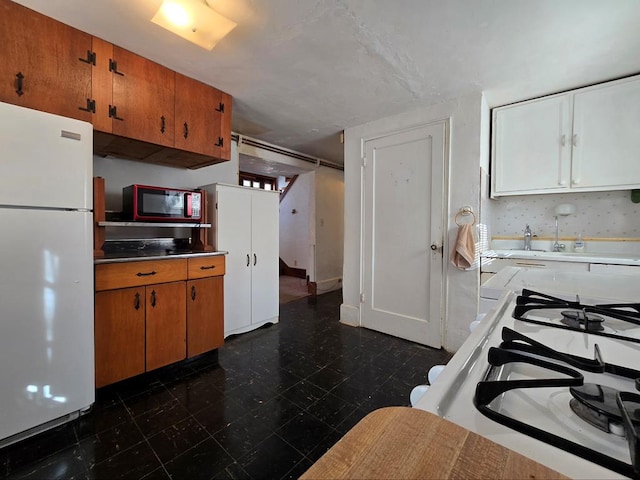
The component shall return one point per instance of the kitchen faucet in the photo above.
(557, 246)
(527, 238)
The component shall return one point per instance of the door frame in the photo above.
(443, 241)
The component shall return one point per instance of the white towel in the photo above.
(464, 250)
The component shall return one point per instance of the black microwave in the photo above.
(144, 203)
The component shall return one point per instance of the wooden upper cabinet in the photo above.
(198, 117)
(45, 64)
(143, 99)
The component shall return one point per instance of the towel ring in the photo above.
(465, 211)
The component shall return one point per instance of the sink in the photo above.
(523, 250)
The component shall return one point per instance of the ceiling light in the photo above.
(193, 20)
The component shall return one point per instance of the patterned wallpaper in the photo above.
(598, 214)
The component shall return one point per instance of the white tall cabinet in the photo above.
(246, 223)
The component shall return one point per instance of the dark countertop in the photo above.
(136, 256)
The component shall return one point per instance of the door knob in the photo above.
(434, 247)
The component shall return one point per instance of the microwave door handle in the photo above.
(188, 205)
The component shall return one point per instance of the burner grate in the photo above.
(531, 301)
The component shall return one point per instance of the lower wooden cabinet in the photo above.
(141, 328)
(119, 334)
(205, 314)
(166, 324)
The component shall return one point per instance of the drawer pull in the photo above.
(147, 274)
(19, 79)
(193, 293)
(210, 267)
(136, 301)
(153, 298)
(248, 259)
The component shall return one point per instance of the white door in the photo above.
(233, 234)
(265, 232)
(47, 160)
(46, 317)
(403, 205)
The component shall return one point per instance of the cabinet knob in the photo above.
(136, 301)
(193, 293)
(153, 298)
(248, 260)
(255, 259)
(162, 124)
(186, 130)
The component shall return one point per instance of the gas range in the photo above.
(532, 383)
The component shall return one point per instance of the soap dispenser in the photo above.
(578, 246)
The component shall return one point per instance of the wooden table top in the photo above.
(405, 443)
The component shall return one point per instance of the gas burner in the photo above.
(579, 319)
(597, 405)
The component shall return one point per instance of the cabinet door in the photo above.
(606, 154)
(166, 324)
(50, 58)
(233, 234)
(265, 255)
(205, 315)
(102, 85)
(197, 121)
(143, 94)
(119, 334)
(531, 147)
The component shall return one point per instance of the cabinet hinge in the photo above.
(113, 67)
(91, 58)
(220, 108)
(91, 106)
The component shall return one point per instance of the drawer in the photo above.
(110, 276)
(202, 267)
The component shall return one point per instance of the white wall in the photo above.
(468, 116)
(119, 173)
(598, 214)
(329, 229)
(295, 234)
(313, 237)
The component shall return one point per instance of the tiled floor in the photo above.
(280, 397)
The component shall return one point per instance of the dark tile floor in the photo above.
(279, 398)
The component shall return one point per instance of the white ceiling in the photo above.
(302, 71)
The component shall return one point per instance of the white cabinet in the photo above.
(531, 153)
(606, 129)
(247, 226)
(583, 140)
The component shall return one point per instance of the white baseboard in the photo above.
(350, 315)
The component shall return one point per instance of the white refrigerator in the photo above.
(46, 271)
